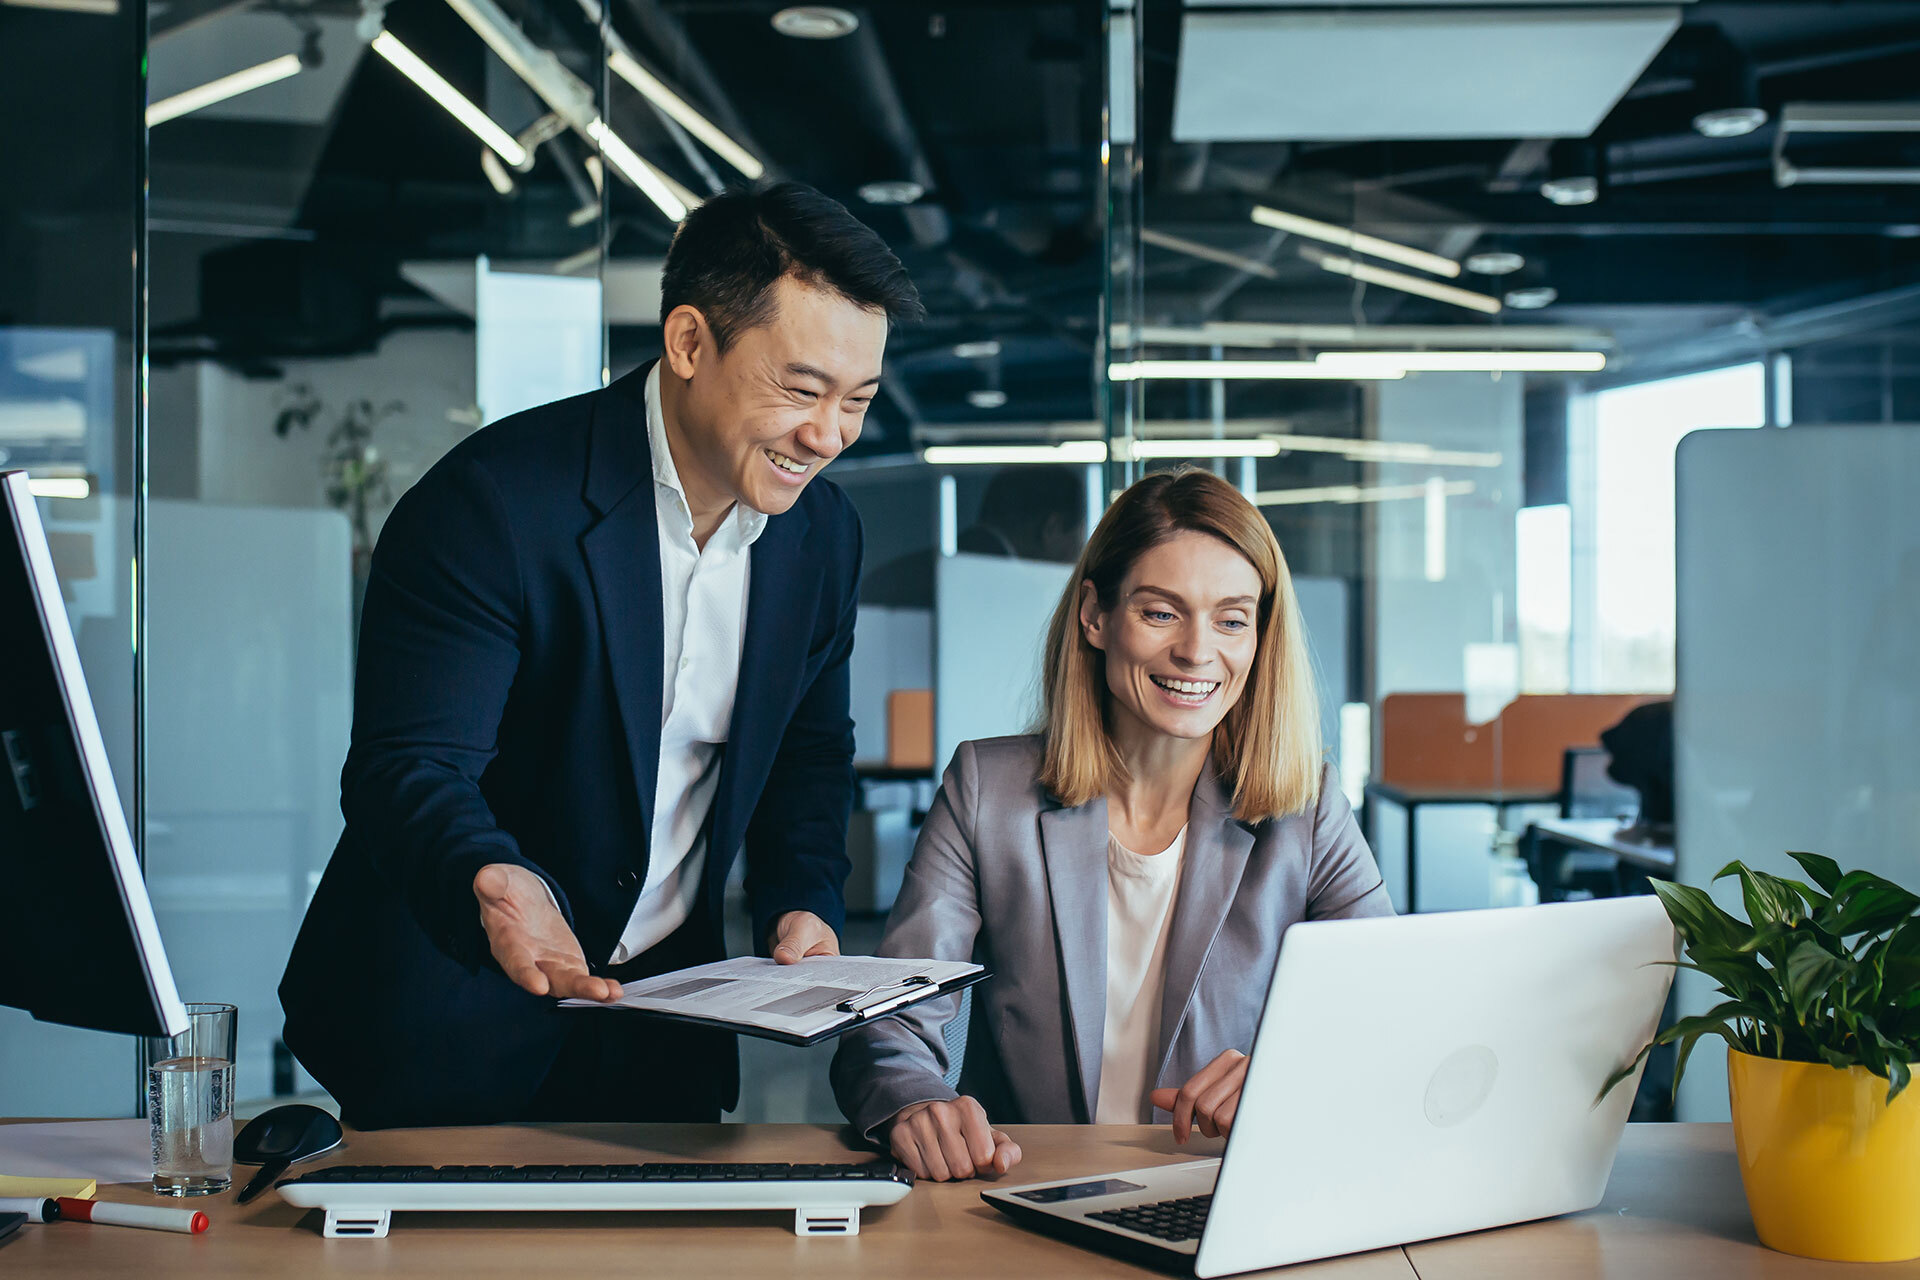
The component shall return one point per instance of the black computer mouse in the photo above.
(277, 1138)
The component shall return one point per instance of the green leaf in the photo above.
(1716, 1021)
(1824, 871)
(1811, 972)
(1699, 918)
(1694, 1028)
(1769, 899)
(1899, 960)
(1866, 903)
(1767, 935)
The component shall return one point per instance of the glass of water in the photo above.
(190, 1103)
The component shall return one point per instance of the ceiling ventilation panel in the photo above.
(1429, 73)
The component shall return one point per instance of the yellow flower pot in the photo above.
(1830, 1170)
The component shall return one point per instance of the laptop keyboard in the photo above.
(1169, 1220)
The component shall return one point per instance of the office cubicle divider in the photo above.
(1797, 707)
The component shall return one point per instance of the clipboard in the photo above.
(854, 1008)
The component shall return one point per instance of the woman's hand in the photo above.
(1206, 1102)
(941, 1141)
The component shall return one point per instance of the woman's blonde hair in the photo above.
(1267, 748)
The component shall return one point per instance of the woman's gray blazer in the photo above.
(1004, 875)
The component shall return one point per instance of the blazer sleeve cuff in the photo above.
(889, 1099)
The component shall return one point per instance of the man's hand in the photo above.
(1206, 1102)
(799, 934)
(530, 938)
(945, 1140)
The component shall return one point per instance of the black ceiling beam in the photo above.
(1874, 49)
(178, 16)
(1523, 167)
(1641, 214)
(928, 222)
(1752, 337)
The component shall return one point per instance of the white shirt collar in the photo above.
(748, 522)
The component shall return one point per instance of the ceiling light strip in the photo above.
(1386, 451)
(1238, 370)
(408, 64)
(1407, 284)
(652, 183)
(60, 486)
(1204, 448)
(257, 77)
(649, 86)
(1357, 242)
(66, 6)
(1071, 451)
(1262, 334)
(1207, 253)
(1351, 493)
(1466, 361)
(569, 97)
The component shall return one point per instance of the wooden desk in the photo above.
(938, 1231)
(1673, 1209)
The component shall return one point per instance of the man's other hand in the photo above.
(530, 938)
(799, 934)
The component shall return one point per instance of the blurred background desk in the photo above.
(1593, 856)
(1412, 798)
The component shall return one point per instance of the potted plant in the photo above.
(1822, 1024)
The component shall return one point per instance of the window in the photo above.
(1621, 476)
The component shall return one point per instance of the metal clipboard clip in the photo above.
(861, 1004)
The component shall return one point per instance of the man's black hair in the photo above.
(729, 253)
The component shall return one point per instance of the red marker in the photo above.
(189, 1221)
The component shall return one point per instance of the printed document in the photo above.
(801, 1001)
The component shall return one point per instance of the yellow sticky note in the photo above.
(47, 1188)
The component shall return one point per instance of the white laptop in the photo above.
(1412, 1077)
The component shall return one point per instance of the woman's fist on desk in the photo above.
(942, 1141)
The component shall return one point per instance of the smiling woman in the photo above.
(1127, 864)
(1123, 623)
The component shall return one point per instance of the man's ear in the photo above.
(1092, 620)
(686, 340)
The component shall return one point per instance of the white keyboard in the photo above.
(826, 1199)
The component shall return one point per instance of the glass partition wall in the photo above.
(1465, 299)
(72, 272)
(1455, 345)
(398, 234)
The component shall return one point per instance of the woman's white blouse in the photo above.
(1140, 894)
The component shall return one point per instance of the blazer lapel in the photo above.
(1074, 844)
(1210, 872)
(622, 552)
(783, 594)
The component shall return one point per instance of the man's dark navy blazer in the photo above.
(507, 709)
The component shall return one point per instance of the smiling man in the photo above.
(605, 648)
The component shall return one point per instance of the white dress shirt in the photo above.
(703, 614)
(1140, 893)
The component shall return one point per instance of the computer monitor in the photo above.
(79, 945)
